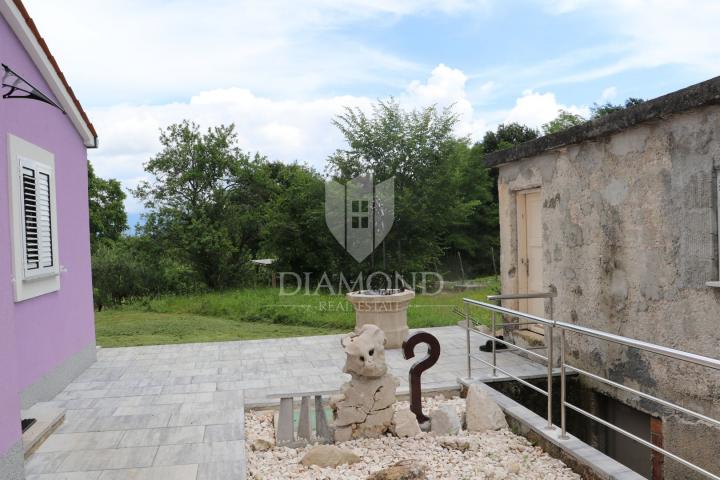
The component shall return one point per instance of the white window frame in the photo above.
(31, 283)
(717, 207)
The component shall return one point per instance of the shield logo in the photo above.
(360, 213)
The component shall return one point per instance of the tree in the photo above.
(477, 236)
(608, 108)
(419, 149)
(294, 231)
(202, 201)
(108, 219)
(507, 135)
(563, 121)
(134, 267)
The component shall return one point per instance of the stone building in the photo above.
(619, 217)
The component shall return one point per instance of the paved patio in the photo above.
(177, 411)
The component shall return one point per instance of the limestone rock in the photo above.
(482, 413)
(364, 410)
(261, 445)
(455, 444)
(364, 407)
(365, 351)
(444, 421)
(329, 456)
(405, 424)
(402, 470)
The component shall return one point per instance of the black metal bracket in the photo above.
(22, 89)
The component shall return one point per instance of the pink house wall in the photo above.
(40, 334)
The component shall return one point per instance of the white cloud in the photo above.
(446, 87)
(607, 95)
(650, 33)
(117, 51)
(534, 109)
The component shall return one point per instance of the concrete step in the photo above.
(48, 419)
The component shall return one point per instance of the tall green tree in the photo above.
(506, 135)
(476, 237)
(419, 149)
(608, 108)
(563, 121)
(294, 232)
(108, 219)
(202, 201)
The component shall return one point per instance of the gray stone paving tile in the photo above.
(130, 392)
(189, 388)
(200, 453)
(148, 437)
(172, 472)
(116, 402)
(177, 398)
(81, 394)
(63, 442)
(212, 406)
(45, 462)
(108, 459)
(128, 422)
(147, 410)
(259, 383)
(224, 433)
(207, 418)
(86, 386)
(65, 476)
(79, 414)
(222, 471)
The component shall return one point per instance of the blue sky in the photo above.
(280, 69)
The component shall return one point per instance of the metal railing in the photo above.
(562, 327)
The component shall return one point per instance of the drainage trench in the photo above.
(624, 450)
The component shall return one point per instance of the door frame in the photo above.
(522, 252)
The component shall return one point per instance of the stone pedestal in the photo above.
(388, 312)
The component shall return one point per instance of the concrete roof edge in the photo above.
(694, 96)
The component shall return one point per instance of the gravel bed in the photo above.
(491, 455)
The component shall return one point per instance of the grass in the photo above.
(258, 313)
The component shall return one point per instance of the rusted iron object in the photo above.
(408, 348)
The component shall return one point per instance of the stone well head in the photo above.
(365, 350)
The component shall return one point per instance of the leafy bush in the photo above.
(124, 269)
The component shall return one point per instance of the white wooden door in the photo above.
(530, 251)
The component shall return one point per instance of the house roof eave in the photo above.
(26, 31)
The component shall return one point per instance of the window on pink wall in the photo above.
(36, 268)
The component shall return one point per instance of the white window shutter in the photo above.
(37, 219)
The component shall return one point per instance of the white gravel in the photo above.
(492, 455)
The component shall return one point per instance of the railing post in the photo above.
(285, 429)
(467, 339)
(322, 431)
(550, 354)
(304, 428)
(563, 434)
(492, 339)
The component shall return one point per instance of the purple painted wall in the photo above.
(38, 334)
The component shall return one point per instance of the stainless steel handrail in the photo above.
(630, 342)
(564, 368)
(521, 296)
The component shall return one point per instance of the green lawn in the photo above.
(258, 313)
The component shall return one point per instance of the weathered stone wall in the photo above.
(630, 240)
